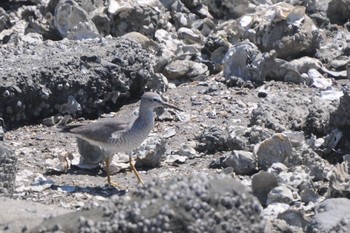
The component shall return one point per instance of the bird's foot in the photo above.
(116, 185)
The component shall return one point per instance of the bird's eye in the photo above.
(155, 100)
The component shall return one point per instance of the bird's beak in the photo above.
(166, 105)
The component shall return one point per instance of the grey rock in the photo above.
(289, 31)
(331, 140)
(317, 79)
(273, 150)
(319, 168)
(146, 18)
(187, 150)
(339, 185)
(281, 193)
(150, 152)
(102, 23)
(278, 111)
(339, 117)
(142, 40)
(282, 70)
(8, 169)
(294, 218)
(242, 162)
(189, 36)
(212, 140)
(319, 120)
(86, 71)
(296, 176)
(229, 9)
(186, 69)
(338, 11)
(245, 61)
(262, 183)
(331, 216)
(184, 204)
(279, 225)
(22, 214)
(73, 22)
(71, 107)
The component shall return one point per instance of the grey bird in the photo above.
(121, 135)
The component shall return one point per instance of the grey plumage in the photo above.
(121, 135)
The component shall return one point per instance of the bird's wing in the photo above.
(99, 131)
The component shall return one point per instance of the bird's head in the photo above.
(153, 100)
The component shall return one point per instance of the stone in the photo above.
(24, 214)
(186, 69)
(318, 81)
(339, 181)
(149, 153)
(338, 11)
(180, 204)
(73, 22)
(281, 193)
(245, 61)
(273, 150)
(242, 162)
(331, 216)
(262, 183)
(8, 169)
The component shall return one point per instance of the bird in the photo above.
(121, 135)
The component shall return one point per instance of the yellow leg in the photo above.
(107, 161)
(135, 171)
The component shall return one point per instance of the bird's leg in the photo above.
(134, 169)
(107, 161)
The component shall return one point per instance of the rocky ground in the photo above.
(261, 144)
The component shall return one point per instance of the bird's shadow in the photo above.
(75, 170)
(104, 191)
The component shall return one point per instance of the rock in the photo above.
(242, 162)
(278, 225)
(22, 215)
(61, 163)
(186, 69)
(183, 204)
(319, 120)
(281, 193)
(296, 176)
(262, 183)
(145, 17)
(73, 22)
(149, 153)
(212, 140)
(278, 111)
(189, 36)
(331, 216)
(2, 133)
(294, 218)
(142, 40)
(273, 150)
(331, 140)
(245, 61)
(339, 117)
(281, 27)
(296, 138)
(187, 150)
(8, 169)
(40, 183)
(229, 9)
(317, 80)
(319, 168)
(85, 71)
(339, 185)
(338, 11)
